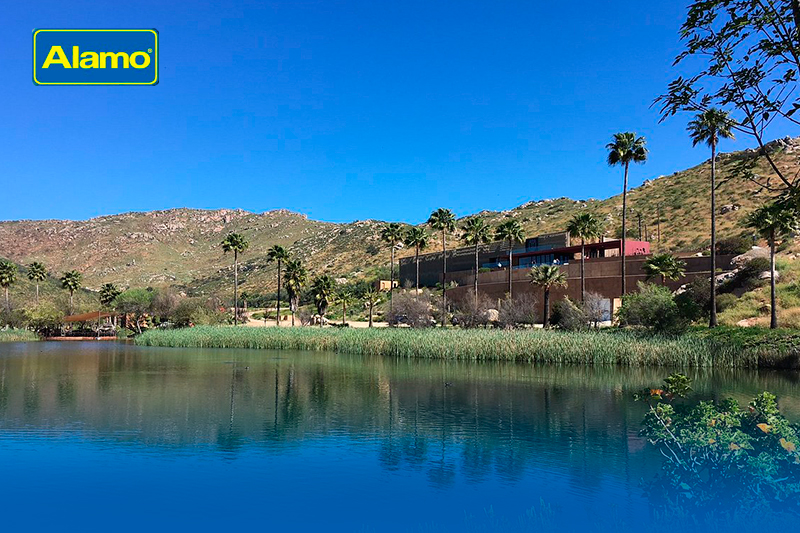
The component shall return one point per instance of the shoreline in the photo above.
(694, 349)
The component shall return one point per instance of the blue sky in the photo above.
(343, 110)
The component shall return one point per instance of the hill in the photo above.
(180, 247)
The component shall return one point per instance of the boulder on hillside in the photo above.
(749, 255)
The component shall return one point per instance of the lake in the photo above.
(116, 437)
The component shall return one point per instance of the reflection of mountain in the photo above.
(496, 421)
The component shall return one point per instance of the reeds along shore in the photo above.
(17, 335)
(532, 346)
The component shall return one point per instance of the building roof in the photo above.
(87, 317)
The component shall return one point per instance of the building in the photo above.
(602, 268)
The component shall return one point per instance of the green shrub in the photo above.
(735, 245)
(653, 307)
(567, 315)
(726, 301)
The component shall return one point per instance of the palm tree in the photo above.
(236, 243)
(667, 266)
(345, 297)
(418, 238)
(108, 293)
(584, 226)
(476, 232)
(295, 276)
(709, 127)
(8, 275)
(509, 231)
(371, 297)
(37, 273)
(392, 234)
(772, 221)
(626, 148)
(322, 289)
(71, 281)
(547, 277)
(277, 253)
(445, 221)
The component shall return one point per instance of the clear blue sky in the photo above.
(342, 110)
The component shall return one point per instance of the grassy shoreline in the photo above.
(17, 335)
(696, 348)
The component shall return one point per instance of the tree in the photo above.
(71, 281)
(345, 297)
(626, 148)
(476, 232)
(744, 55)
(547, 277)
(136, 302)
(295, 276)
(418, 238)
(772, 221)
(707, 128)
(37, 273)
(278, 254)
(8, 275)
(445, 221)
(511, 232)
(109, 293)
(667, 266)
(322, 289)
(236, 243)
(371, 297)
(392, 234)
(584, 226)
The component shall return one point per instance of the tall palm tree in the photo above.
(108, 293)
(392, 234)
(418, 238)
(626, 148)
(37, 273)
(8, 275)
(71, 281)
(547, 277)
(236, 243)
(322, 289)
(666, 266)
(708, 128)
(295, 276)
(584, 226)
(476, 232)
(277, 253)
(511, 232)
(772, 221)
(445, 221)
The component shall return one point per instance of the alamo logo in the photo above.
(95, 57)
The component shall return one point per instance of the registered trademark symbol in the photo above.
(149, 50)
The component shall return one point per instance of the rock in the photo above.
(491, 315)
(729, 208)
(747, 323)
(765, 275)
(748, 256)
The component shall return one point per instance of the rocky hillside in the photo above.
(180, 247)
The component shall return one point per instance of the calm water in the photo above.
(114, 437)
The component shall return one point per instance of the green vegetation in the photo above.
(720, 459)
(443, 220)
(511, 232)
(417, 238)
(584, 226)
(37, 273)
(547, 277)
(71, 281)
(476, 232)
(236, 243)
(17, 335)
(604, 347)
(392, 234)
(8, 275)
(277, 254)
(665, 266)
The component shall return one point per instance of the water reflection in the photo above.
(568, 435)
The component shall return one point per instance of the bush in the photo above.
(736, 245)
(517, 311)
(470, 314)
(726, 301)
(198, 312)
(653, 307)
(747, 277)
(45, 320)
(412, 310)
(569, 316)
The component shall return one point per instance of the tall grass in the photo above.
(17, 335)
(616, 347)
